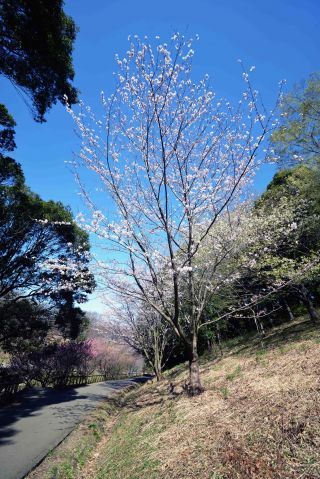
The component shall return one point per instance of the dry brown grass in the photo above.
(259, 418)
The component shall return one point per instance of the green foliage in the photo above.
(7, 132)
(284, 252)
(300, 189)
(236, 373)
(295, 183)
(71, 320)
(298, 137)
(36, 42)
(33, 232)
(225, 392)
(24, 325)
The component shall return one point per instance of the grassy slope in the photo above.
(258, 418)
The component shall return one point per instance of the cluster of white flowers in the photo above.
(174, 162)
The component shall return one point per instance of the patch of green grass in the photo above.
(132, 443)
(252, 437)
(53, 473)
(217, 475)
(67, 471)
(95, 431)
(261, 352)
(51, 453)
(284, 348)
(311, 460)
(225, 392)
(304, 347)
(260, 356)
(69, 467)
(61, 471)
(236, 373)
(69, 464)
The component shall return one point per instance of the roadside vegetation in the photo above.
(258, 418)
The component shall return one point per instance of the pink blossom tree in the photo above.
(114, 360)
(170, 160)
(55, 363)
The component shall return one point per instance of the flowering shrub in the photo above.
(55, 363)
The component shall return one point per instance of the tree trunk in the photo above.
(194, 387)
(218, 338)
(260, 330)
(288, 309)
(157, 367)
(313, 313)
(157, 371)
(209, 345)
(261, 326)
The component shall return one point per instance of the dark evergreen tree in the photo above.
(36, 43)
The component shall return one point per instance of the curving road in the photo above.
(41, 418)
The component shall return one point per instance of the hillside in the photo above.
(258, 418)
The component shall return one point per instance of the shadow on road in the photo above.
(122, 383)
(32, 401)
(29, 403)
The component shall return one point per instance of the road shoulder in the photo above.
(67, 459)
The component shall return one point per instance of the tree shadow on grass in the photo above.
(160, 393)
(284, 335)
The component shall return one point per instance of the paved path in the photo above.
(41, 418)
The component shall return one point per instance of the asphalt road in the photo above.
(41, 418)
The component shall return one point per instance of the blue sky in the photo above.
(280, 37)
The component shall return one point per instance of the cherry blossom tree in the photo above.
(289, 248)
(142, 328)
(114, 360)
(171, 159)
(276, 255)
